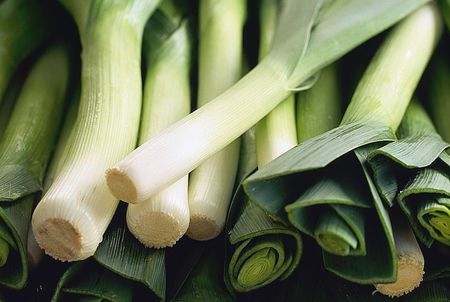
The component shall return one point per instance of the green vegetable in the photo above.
(163, 219)
(23, 28)
(439, 96)
(293, 183)
(71, 218)
(220, 66)
(299, 50)
(25, 149)
(424, 193)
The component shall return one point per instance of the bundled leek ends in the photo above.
(164, 218)
(211, 184)
(71, 218)
(299, 50)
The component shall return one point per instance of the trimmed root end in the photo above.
(409, 276)
(203, 228)
(120, 185)
(59, 239)
(157, 230)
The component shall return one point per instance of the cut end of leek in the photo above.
(60, 239)
(157, 229)
(203, 228)
(64, 232)
(409, 276)
(120, 185)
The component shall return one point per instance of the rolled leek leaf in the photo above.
(23, 27)
(25, 149)
(73, 215)
(423, 194)
(445, 10)
(164, 218)
(211, 184)
(299, 50)
(295, 180)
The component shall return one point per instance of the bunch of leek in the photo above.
(71, 218)
(309, 36)
(163, 219)
(422, 184)
(220, 66)
(337, 209)
(25, 149)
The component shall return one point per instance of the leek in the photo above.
(373, 116)
(445, 10)
(25, 149)
(72, 216)
(164, 218)
(319, 100)
(264, 251)
(23, 27)
(211, 184)
(410, 261)
(299, 50)
(425, 194)
(439, 97)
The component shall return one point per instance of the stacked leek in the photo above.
(25, 149)
(307, 183)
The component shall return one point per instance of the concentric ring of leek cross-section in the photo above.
(264, 250)
(426, 202)
(332, 212)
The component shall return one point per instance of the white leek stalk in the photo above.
(71, 218)
(163, 219)
(410, 261)
(290, 62)
(220, 64)
(276, 133)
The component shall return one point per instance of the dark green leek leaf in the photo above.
(445, 10)
(205, 282)
(23, 27)
(14, 221)
(121, 253)
(88, 281)
(418, 164)
(429, 292)
(439, 90)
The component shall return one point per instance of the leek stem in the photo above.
(399, 74)
(71, 218)
(439, 92)
(22, 29)
(323, 97)
(163, 219)
(410, 261)
(211, 183)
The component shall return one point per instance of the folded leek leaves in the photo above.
(120, 264)
(25, 148)
(304, 177)
(416, 168)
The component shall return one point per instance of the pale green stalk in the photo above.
(324, 98)
(71, 218)
(220, 65)
(276, 133)
(163, 219)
